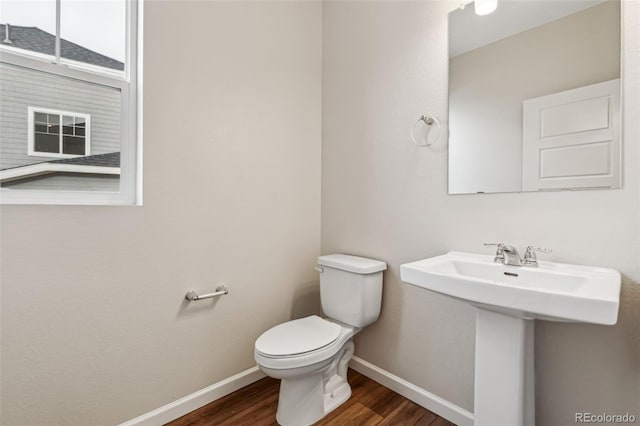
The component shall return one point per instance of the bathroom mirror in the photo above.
(534, 97)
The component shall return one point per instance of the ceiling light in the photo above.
(485, 7)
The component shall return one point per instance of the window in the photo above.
(58, 133)
(69, 102)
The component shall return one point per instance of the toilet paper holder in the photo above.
(192, 296)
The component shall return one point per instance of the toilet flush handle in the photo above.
(319, 268)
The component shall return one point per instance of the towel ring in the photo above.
(429, 120)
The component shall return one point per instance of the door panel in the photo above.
(571, 139)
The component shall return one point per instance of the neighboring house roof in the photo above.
(104, 164)
(111, 159)
(37, 40)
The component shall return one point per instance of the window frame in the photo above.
(129, 82)
(31, 143)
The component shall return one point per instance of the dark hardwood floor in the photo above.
(370, 404)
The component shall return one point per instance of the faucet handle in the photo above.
(499, 245)
(499, 252)
(530, 257)
(531, 250)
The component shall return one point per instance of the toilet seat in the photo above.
(297, 337)
(318, 340)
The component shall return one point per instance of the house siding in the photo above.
(21, 88)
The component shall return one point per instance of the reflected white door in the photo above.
(571, 139)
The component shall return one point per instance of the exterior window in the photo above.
(70, 102)
(58, 133)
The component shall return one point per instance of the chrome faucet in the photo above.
(506, 254)
(509, 255)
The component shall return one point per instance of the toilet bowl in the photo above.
(311, 355)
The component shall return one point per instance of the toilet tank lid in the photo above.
(345, 262)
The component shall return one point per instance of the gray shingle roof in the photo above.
(111, 159)
(37, 40)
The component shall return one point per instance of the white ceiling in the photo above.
(468, 31)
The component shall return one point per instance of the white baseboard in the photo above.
(426, 399)
(187, 404)
(191, 402)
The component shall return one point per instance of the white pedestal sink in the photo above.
(509, 299)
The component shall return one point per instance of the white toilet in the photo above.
(311, 355)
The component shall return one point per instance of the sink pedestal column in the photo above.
(504, 377)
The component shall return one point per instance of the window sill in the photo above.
(86, 198)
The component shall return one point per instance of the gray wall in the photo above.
(385, 64)
(21, 88)
(95, 329)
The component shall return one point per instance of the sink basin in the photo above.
(553, 291)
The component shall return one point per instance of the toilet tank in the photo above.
(351, 288)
